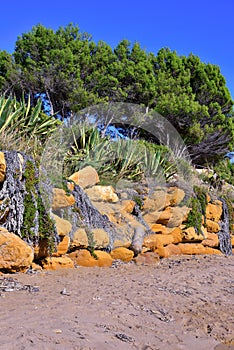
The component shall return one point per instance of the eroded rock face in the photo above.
(15, 254)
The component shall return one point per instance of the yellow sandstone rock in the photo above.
(63, 246)
(193, 248)
(211, 241)
(15, 254)
(169, 250)
(85, 177)
(61, 199)
(122, 253)
(100, 238)
(63, 226)
(57, 263)
(158, 228)
(214, 211)
(102, 193)
(212, 226)
(2, 167)
(83, 257)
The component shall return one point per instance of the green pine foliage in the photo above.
(71, 72)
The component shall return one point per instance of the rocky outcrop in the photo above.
(97, 225)
(15, 254)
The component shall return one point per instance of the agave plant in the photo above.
(21, 117)
(126, 158)
(116, 159)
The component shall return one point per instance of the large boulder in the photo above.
(153, 241)
(15, 254)
(84, 258)
(197, 248)
(2, 167)
(212, 240)
(161, 198)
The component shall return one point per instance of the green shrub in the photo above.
(198, 209)
(117, 159)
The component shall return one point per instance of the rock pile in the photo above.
(129, 224)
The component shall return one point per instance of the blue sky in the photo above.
(205, 28)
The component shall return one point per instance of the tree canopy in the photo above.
(69, 71)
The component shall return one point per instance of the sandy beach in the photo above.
(181, 303)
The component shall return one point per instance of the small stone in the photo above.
(102, 193)
(65, 292)
(85, 177)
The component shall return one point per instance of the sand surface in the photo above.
(183, 303)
